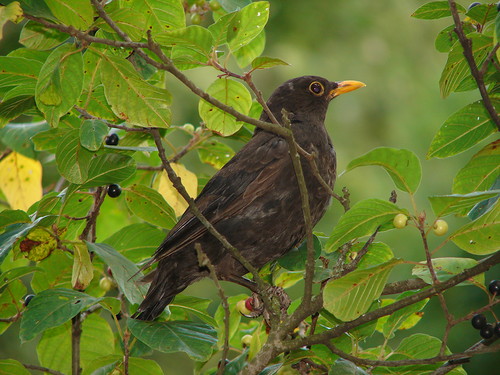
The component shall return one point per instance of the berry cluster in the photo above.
(478, 321)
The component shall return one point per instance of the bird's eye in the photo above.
(316, 88)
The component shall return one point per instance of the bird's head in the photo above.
(307, 97)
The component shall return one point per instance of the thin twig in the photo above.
(89, 232)
(469, 56)
(42, 369)
(204, 261)
(126, 351)
(76, 334)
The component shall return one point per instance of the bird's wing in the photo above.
(250, 174)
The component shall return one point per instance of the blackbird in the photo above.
(254, 200)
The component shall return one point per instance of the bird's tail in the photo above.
(160, 293)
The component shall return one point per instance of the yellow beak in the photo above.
(345, 86)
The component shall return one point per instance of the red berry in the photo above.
(249, 303)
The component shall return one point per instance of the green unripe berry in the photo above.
(400, 221)
(440, 227)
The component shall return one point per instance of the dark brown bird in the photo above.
(254, 200)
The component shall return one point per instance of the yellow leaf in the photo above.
(11, 12)
(170, 193)
(21, 180)
(37, 245)
(83, 272)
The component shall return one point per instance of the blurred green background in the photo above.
(376, 42)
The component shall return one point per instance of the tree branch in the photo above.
(76, 334)
(42, 369)
(469, 56)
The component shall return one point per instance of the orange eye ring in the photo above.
(317, 88)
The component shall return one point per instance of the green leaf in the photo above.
(92, 134)
(378, 253)
(417, 346)
(446, 268)
(38, 37)
(246, 54)
(219, 28)
(53, 98)
(18, 136)
(193, 37)
(247, 24)
(12, 367)
(484, 206)
(443, 205)
(361, 220)
(130, 21)
(97, 340)
(480, 172)
(72, 159)
(56, 272)
(10, 12)
(215, 153)
(77, 13)
(231, 93)
(481, 236)
(195, 339)
(15, 107)
(462, 130)
(402, 165)
(150, 206)
(19, 71)
(14, 274)
(161, 15)
(345, 367)
(9, 217)
(295, 259)
(233, 5)
(398, 318)
(12, 234)
(124, 271)
(137, 241)
(351, 296)
(264, 62)
(51, 308)
(83, 271)
(49, 139)
(131, 98)
(10, 302)
(482, 13)
(183, 306)
(109, 169)
(457, 68)
(447, 37)
(434, 10)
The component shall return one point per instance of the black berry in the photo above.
(114, 190)
(494, 287)
(112, 139)
(478, 321)
(497, 329)
(27, 299)
(473, 5)
(487, 331)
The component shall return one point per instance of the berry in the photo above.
(214, 5)
(188, 128)
(400, 221)
(195, 19)
(112, 139)
(440, 227)
(478, 321)
(114, 190)
(241, 307)
(27, 299)
(494, 287)
(487, 331)
(497, 329)
(473, 5)
(106, 284)
(246, 340)
(249, 303)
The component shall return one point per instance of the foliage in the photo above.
(86, 71)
